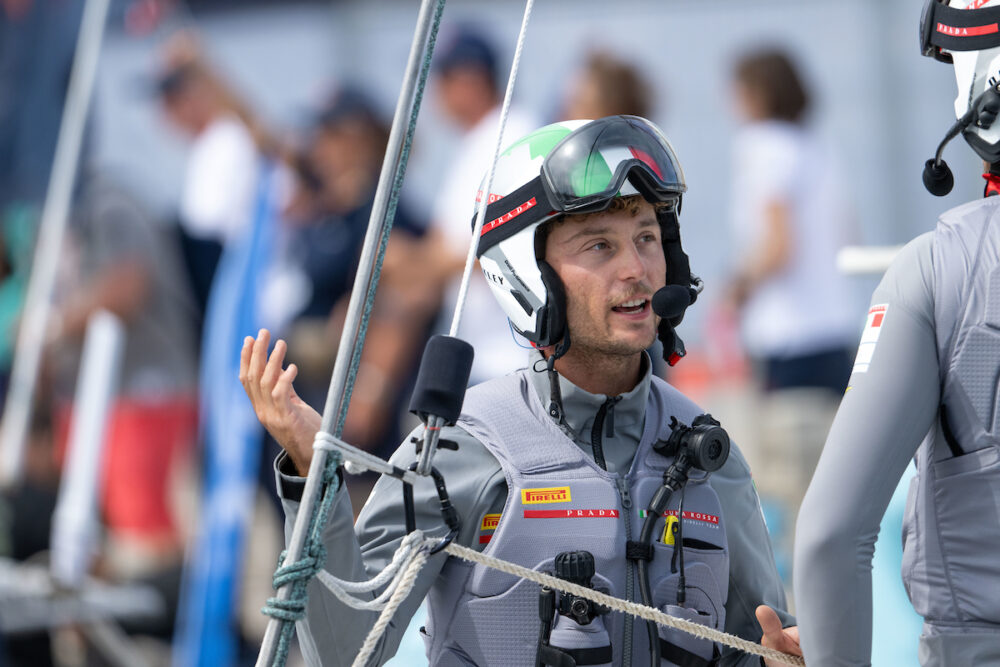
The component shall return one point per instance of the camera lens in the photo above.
(709, 447)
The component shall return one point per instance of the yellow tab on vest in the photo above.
(554, 494)
(669, 528)
(490, 522)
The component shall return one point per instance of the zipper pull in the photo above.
(624, 493)
(609, 417)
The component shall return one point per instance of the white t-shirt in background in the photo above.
(484, 324)
(808, 306)
(220, 181)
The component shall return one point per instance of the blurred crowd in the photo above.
(268, 230)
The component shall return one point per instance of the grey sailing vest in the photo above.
(951, 561)
(560, 500)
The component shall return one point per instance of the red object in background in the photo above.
(144, 16)
(720, 360)
(144, 440)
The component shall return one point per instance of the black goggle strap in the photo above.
(506, 216)
(954, 29)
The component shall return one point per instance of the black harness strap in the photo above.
(681, 657)
(949, 435)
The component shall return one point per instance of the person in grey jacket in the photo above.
(923, 387)
(565, 454)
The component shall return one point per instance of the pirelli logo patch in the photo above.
(571, 514)
(486, 528)
(554, 494)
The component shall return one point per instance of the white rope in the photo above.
(357, 460)
(418, 549)
(624, 606)
(488, 184)
(343, 589)
(406, 583)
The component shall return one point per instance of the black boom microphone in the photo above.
(671, 301)
(937, 175)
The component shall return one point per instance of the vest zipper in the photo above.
(605, 413)
(629, 621)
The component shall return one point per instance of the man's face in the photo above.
(461, 91)
(610, 264)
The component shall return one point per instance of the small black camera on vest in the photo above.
(704, 442)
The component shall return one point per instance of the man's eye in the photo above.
(600, 245)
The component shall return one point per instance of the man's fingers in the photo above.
(245, 359)
(258, 356)
(770, 623)
(273, 367)
(283, 390)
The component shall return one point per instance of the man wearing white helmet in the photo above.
(576, 452)
(924, 387)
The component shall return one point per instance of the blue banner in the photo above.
(206, 633)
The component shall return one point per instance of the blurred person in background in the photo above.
(923, 388)
(119, 259)
(468, 85)
(231, 216)
(222, 171)
(606, 85)
(795, 310)
(325, 229)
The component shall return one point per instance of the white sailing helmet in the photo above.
(565, 168)
(966, 34)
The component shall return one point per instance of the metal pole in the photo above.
(861, 260)
(31, 336)
(337, 398)
(74, 523)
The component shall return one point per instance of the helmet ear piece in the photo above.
(678, 265)
(554, 315)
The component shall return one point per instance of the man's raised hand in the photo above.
(286, 417)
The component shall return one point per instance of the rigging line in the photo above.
(488, 184)
(357, 460)
(405, 585)
(623, 606)
(279, 631)
(407, 579)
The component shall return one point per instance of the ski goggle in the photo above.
(944, 29)
(585, 171)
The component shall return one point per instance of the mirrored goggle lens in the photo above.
(591, 165)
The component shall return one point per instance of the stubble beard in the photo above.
(597, 351)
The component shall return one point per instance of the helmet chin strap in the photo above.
(555, 394)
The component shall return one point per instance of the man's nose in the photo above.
(631, 264)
